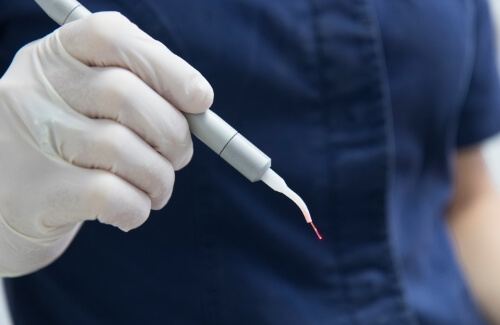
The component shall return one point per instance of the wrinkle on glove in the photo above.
(91, 128)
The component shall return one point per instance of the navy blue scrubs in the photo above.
(361, 104)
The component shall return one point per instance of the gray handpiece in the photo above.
(63, 12)
(208, 127)
(229, 144)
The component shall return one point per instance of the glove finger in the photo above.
(94, 195)
(116, 202)
(110, 39)
(117, 94)
(109, 146)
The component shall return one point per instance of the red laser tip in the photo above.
(316, 230)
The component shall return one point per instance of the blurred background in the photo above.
(492, 148)
(491, 152)
(4, 316)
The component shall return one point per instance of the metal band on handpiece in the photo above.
(63, 12)
(229, 144)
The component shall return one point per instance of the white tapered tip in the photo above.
(277, 183)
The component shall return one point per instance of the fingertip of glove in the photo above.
(128, 224)
(200, 95)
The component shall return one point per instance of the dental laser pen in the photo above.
(208, 126)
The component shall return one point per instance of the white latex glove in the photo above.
(90, 128)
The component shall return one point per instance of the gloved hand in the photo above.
(90, 128)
